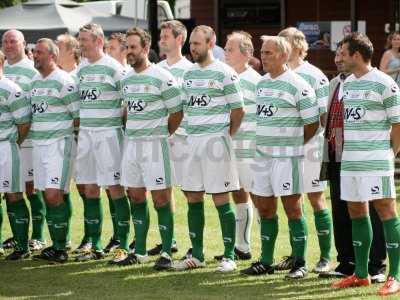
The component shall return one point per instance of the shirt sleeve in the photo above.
(307, 104)
(20, 107)
(171, 94)
(322, 92)
(70, 97)
(391, 102)
(232, 91)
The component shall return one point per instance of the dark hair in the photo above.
(359, 42)
(145, 37)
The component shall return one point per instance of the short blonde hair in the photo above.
(94, 29)
(297, 40)
(244, 39)
(177, 28)
(51, 46)
(281, 43)
(207, 31)
(71, 43)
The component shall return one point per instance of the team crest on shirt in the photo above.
(367, 94)
(49, 92)
(211, 84)
(102, 78)
(263, 92)
(146, 88)
(281, 94)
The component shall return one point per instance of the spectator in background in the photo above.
(390, 61)
(28, 52)
(255, 63)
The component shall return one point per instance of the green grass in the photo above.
(36, 280)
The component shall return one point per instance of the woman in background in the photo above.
(390, 61)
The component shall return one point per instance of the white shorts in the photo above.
(179, 153)
(312, 165)
(99, 156)
(278, 176)
(147, 163)
(210, 166)
(245, 171)
(10, 168)
(27, 163)
(366, 188)
(53, 164)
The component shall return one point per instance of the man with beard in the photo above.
(100, 139)
(19, 69)
(214, 107)
(154, 110)
(15, 118)
(55, 114)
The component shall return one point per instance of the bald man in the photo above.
(19, 69)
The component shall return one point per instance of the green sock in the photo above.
(59, 216)
(299, 238)
(228, 227)
(392, 237)
(166, 226)
(323, 224)
(122, 220)
(49, 221)
(94, 221)
(38, 210)
(68, 204)
(196, 228)
(11, 217)
(141, 221)
(86, 236)
(269, 232)
(1, 222)
(113, 214)
(21, 225)
(362, 239)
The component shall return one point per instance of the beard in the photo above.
(199, 57)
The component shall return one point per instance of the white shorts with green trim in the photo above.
(10, 168)
(312, 164)
(27, 163)
(245, 171)
(147, 163)
(179, 153)
(211, 165)
(366, 188)
(53, 164)
(278, 176)
(99, 156)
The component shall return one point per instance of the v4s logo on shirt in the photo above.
(39, 108)
(90, 94)
(352, 114)
(266, 110)
(136, 105)
(199, 100)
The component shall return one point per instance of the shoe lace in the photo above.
(389, 282)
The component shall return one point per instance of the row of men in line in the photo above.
(285, 108)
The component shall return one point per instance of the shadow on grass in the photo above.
(32, 279)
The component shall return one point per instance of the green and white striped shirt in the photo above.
(22, 73)
(318, 81)
(99, 85)
(371, 106)
(284, 105)
(14, 110)
(210, 95)
(149, 97)
(55, 103)
(244, 141)
(177, 70)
